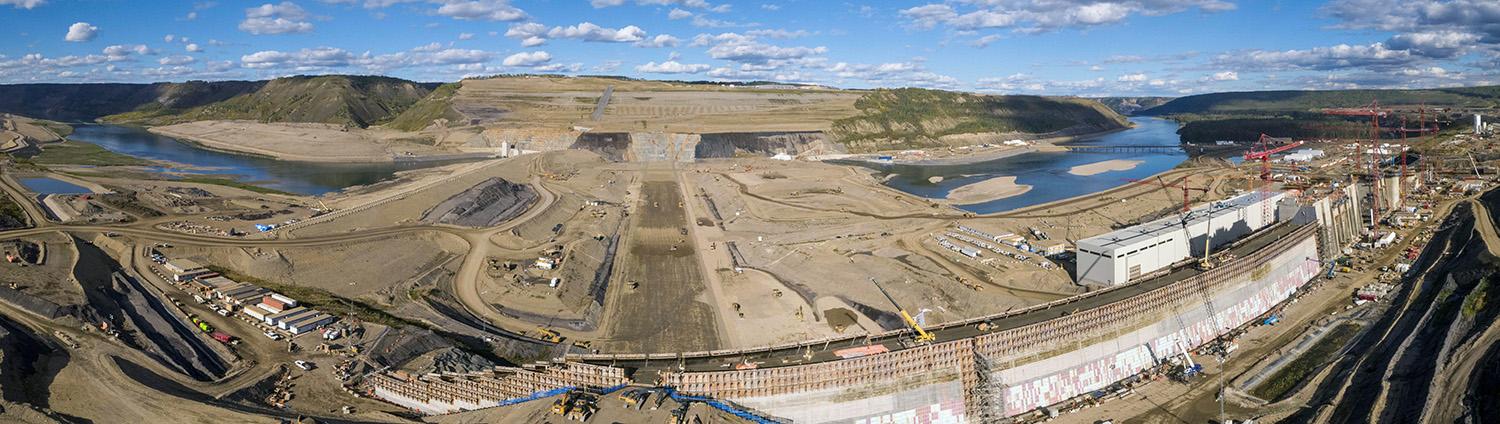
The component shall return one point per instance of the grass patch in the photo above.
(1475, 301)
(75, 152)
(322, 300)
(232, 183)
(1310, 362)
(62, 130)
(11, 215)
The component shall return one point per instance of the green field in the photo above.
(80, 153)
(1306, 365)
(232, 183)
(11, 215)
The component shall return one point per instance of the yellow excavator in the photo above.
(923, 337)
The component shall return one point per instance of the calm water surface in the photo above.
(312, 178)
(1047, 172)
(44, 185)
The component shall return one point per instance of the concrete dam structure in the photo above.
(982, 369)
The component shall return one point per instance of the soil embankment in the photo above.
(487, 204)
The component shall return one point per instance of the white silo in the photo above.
(1478, 124)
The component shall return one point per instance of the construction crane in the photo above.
(1262, 151)
(1182, 215)
(1375, 113)
(923, 337)
(1182, 184)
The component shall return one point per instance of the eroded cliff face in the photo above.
(725, 145)
(679, 147)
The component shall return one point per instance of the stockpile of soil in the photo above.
(491, 202)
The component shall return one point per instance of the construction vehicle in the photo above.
(679, 415)
(923, 337)
(628, 398)
(642, 397)
(583, 411)
(548, 335)
(660, 399)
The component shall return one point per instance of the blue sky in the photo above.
(1053, 47)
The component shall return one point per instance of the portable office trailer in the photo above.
(286, 301)
(277, 317)
(308, 323)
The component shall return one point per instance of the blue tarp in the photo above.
(722, 406)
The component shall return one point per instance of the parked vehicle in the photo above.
(305, 365)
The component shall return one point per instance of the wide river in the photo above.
(1047, 172)
(312, 178)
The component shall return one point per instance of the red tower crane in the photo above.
(1375, 113)
(1182, 184)
(1263, 149)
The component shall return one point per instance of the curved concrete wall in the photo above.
(998, 374)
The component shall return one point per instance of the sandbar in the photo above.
(1097, 168)
(984, 191)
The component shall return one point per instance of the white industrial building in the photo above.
(1122, 256)
(1303, 155)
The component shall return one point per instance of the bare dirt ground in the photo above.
(665, 310)
(562, 103)
(53, 279)
(302, 141)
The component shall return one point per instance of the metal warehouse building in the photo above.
(1125, 255)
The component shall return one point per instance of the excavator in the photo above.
(923, 337)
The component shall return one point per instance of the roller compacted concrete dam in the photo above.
(977, 370)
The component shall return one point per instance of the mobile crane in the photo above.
(923, 337)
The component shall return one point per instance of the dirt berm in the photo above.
(486, 204)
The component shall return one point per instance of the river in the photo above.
(1046, 172)
(310, 178)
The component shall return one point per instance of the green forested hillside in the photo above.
(86, 102)
(912, 118)
(357, 101)
(1262, 102)
(1243, 116)
(437, 105)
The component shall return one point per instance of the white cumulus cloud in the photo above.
(24, 4)
(81, 32)
(527, 59)
(282, 18)
(672, 67)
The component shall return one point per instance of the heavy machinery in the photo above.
(923, 337)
